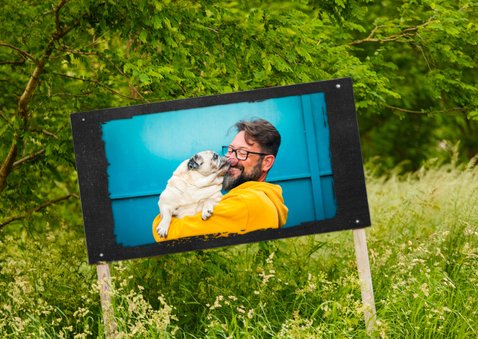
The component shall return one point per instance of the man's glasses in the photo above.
(241, 154)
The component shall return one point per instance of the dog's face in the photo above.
(207, 163)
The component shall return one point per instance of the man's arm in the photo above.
(229, 216)
(233, 214)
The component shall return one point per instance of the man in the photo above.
(251, 203)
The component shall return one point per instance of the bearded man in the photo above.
(251, 203)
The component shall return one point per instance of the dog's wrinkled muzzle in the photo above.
(223, 163)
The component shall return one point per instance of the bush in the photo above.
(423, 250)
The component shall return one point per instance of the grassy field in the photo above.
(423, 248)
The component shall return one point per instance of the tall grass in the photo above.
(423, 248)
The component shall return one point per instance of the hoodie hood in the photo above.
(267, 191)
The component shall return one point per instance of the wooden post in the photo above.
(104, 282)
(365, 278)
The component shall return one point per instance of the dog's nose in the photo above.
(223, 162)
(232, 161)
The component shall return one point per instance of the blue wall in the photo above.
(142, 153)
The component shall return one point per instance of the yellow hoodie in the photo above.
(248, 207)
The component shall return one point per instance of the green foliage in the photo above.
(424, 49)
(414, 68)
(428, 266)
(423, 247)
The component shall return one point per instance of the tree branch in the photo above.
(449, 110)
(96, 82)
(50, 134)
(56, 12)
(404, 33)
(4, 117)
(22, 107)
(46, 132)
(25, 55)
(32, 156)
(75, 51)
(35, 77)
(7, 163)
(19, 62)
(135, 93)
(36, 209)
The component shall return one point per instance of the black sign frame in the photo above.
(346, 159)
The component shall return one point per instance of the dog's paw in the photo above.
(206, 213)
(162, 231)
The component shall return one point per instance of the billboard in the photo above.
(126, 155)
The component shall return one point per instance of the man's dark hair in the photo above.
(262, 132)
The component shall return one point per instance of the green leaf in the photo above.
(143, 37)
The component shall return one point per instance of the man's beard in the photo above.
(233, 181)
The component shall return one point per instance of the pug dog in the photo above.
(194, 187)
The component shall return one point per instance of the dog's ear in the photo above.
(192, 164)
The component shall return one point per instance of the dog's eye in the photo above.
(215, 156)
